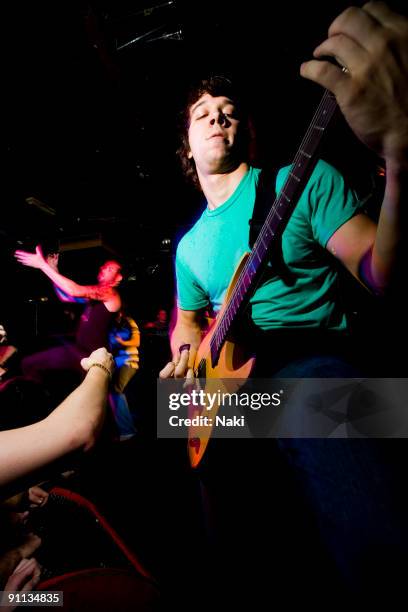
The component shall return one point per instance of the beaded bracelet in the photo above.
(104, 368)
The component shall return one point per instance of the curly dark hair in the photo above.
(215, 86)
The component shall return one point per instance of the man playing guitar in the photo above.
(214, 151)
(297, 300)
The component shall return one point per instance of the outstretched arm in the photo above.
(64, 297)
(52, 260)
(372, 92)
(68, 286)
(73, 425)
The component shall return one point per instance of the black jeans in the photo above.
(331, 511)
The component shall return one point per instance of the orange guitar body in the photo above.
(234, 365)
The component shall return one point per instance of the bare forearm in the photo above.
(389, 252)
(83, 409)
(71, 426)
(62, 282)
(62, 296)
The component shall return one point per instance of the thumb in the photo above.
(38, 250)
(85, 363)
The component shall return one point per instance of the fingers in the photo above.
(168, 370)
(176, 369)
(182, 365)
(190, 379)
(101, 356)
(384, 15)
(36, 576)
(357, 38)
(27, 568)
(22, 256)
(369, 24)
(346, 51)
(27, 259)
(19, 576)
(37, 496)
(23, 564)
(347, 43)
(356, 24)
(327, 75)
(372, 43)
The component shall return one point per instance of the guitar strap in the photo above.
(265, 197)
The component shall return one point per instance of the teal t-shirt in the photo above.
(301, 290)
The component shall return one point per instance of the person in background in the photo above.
(102, 302)
(124, 342)
(159, 327)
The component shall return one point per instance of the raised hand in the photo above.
(371, 43)
(100, 356)
(32, 260)
(37, 496)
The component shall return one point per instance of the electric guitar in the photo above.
(219, 360)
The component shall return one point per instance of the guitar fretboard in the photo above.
(278, 216)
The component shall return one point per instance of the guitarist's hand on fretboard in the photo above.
(371, 45)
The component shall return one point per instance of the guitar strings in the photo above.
(327, 106)
(270, 215)
(326, 99)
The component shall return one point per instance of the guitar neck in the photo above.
(278, 216)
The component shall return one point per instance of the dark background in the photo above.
(90, 130)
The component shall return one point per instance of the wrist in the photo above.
(44, 266)
(101, 368)
(397, 165)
